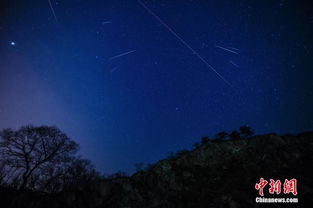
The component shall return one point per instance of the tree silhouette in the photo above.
(246, 131)
(181, 153)
(79, 175)
(221, 135)
(205, 140)
(36, 153)
(196, 145)
(2, 172)
(235, 135)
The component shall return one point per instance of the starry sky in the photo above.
(131, 87)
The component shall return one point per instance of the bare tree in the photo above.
(35, 151)
(2, 172)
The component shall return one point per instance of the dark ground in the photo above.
(217, 174)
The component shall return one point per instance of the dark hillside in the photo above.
(215, 174)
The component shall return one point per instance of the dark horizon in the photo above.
(122, 85)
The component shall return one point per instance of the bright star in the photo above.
(12, 43)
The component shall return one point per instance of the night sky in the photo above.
(130, 89)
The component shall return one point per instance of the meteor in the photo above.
(52, 10)
(193, 51)
(106, 22)
(236, 49)
(122, 54)
(233, 63)
(226, 49)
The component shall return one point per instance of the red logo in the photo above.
(290, 186)
(261, 185)
(275, 186)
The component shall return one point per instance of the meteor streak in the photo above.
(114, 69)
(226, 49)
(122, 54)
(52, 10)
(106, 22)
(233, 63)
(183, 41)
(236, 49)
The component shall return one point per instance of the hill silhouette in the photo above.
(216, 173)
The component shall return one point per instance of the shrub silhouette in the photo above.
(246, 131)
(235, 135)
(221, 135)
(181, 153)
(205, 140)
(196, 145)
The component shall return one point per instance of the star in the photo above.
(13, 43)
